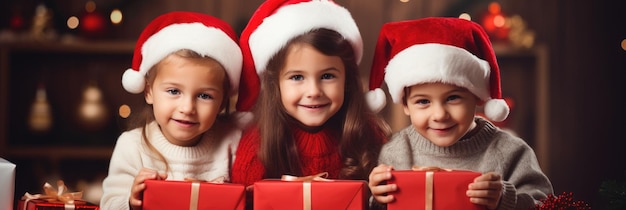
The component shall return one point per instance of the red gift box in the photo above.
(55, 198)
(160, 194)
(42, 204)
(436, 190)
(310, 195)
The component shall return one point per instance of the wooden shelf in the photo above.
(57, 152)
(108, 58)
(95, 47)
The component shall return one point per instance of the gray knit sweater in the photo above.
(484, 149)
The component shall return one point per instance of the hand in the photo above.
(136, 191)
(379, 175)
(486, 190)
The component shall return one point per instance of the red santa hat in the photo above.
(275, 23)
(170, 32)
(437, 49)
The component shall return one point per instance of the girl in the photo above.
(311, 112)
(190, 65)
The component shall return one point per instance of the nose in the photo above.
(439, 112)
(187, 105)
(314, 89)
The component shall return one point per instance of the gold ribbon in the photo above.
(58, 195)
(195, 190)
(430, 180)
(306, 186)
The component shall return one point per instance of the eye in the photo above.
(453, 98)
(422, 101)
(173, 91)
(296, 77)
(205, 96)
(328, 76)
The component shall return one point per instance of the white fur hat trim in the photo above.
(296, 19)
(207, 41)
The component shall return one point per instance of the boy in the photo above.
(442, 70)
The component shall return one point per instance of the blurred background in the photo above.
(62, 105)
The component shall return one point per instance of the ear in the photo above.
(406, 109)
(148, 94)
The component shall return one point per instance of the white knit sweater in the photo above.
(211, 158)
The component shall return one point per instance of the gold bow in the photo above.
(59, 195)
(316, 177)
(430, 176)
(306, 186)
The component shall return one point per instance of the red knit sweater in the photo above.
(318, 153)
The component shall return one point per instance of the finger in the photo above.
(485, 185)
(134, 203)
(380, 169)
(490, 176)
(488, 194)
(489, 203)
(162, 176)
(384, 198)
(377, 179)
(382, 190)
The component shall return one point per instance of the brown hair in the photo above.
(147, 114)
(363, 133)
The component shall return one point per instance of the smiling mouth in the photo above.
(185, 122)
(313, 106)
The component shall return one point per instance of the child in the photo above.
(441, 70)
(301, 64)
(190, 65)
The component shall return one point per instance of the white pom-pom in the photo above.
(496, 110)
(133, 81)
(376, 99)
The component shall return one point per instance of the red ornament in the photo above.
(494, 22)
(16, 22)
(93, 24)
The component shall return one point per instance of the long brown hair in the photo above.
(363, 133)
(146, 116)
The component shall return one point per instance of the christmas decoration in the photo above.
(564, 201)
(40, 118)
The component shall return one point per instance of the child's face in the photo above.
(311, 85)
(186, 96)
(440, 112)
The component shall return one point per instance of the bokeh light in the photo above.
(124, 111)
(465, 16)
(116, 16)
(73, 22)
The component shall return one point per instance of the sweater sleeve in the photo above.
(247, 167)
(125, 164)
(524, 182)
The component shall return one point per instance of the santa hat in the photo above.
(275, 23)
(437, 49)
(170, 32)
